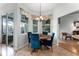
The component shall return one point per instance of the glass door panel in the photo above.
(4, 29)
(10, 25)
(7, 34)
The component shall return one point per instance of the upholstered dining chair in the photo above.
(29, 38)
(35, 42)
(50, 42)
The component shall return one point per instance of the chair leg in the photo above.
(33, 50)
(36, 50)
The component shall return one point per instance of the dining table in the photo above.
(44, 37)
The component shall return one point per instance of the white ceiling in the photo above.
(34, 8)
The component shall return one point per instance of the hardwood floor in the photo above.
(57, 51)
(65, 48)
(70, 45)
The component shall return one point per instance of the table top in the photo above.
(44, 37)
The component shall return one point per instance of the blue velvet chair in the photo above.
(29, 38)
(45, 33)
(49, 42)
(35, 42)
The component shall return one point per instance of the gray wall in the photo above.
(66, 22)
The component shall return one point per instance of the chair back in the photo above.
(45, 33)
(35, 42)
(52, 37)
(29, 36)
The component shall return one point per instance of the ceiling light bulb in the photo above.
(41, 17)
(37, 18)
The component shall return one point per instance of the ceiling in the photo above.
(34, 8)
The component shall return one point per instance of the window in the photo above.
(24, 24)
(35, 26)
(46, 25)
(43, 26)
(8, 22)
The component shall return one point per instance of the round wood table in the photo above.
(44, 37)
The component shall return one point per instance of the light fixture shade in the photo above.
(40, 17)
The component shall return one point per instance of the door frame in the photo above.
(6, 13)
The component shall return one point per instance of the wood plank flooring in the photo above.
(56, 52)
(70, 45)
(65, 48)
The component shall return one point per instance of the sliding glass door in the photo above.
(7, 33)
